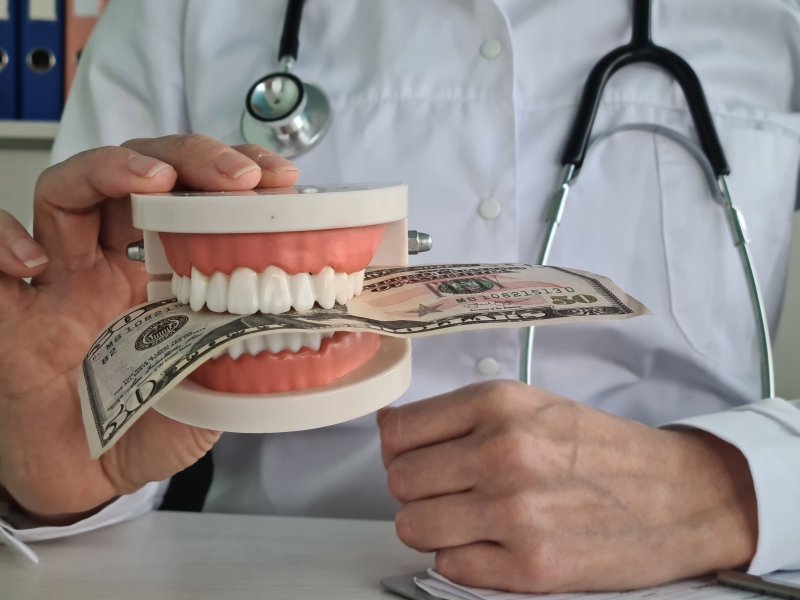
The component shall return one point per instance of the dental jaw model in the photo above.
(271, 251)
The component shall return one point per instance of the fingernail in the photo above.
(28, 252)
(144, 166)
(275, 163)
(234, 165)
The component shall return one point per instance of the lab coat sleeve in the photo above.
(123, 509)
(768, 435)
(130, 80)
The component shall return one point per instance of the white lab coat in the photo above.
(469, 102)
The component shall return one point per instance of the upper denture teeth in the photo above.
(217, 297)
(356, 283)
(303, 296)
(324, 287)
(342, 285)
(199, 292)
(243, 292)
(181, 289)
(272, 291)
(187, 289)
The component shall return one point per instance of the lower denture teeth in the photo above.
(294, 341)
(254, 345)
(276, 342)
(273, 291)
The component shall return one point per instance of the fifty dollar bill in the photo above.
(143, 354)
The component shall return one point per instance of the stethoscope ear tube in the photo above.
(711, 158)
(642, 49)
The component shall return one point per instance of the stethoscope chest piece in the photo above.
(285, 115)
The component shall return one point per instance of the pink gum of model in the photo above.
(345, 250)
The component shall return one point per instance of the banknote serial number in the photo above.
(556, 295)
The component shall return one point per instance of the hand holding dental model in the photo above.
(242, 260)
(510, 485)
(82, 225)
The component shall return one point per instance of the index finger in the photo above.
(68, 196)
(427, 422)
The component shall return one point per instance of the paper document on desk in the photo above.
(692, 589)
(143, 354)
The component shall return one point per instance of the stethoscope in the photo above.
(289, 117)
(283, 113)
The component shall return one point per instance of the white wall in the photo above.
(19, 169)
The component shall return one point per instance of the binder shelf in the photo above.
(27, 134)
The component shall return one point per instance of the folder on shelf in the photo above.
(81, 18)
(41, 44)
(8, 59)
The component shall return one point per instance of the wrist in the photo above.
(721, 523)
(60, 520)
(24, 518)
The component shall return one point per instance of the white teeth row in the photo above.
(276, 342)
(273, 291)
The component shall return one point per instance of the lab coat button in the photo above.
(489, 209)
(488, 366)
(491, 48)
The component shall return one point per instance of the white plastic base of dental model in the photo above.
(374, 385)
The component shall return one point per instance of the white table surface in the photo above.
(197, 556)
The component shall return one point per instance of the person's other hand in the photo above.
(518, 489)
(81, 280)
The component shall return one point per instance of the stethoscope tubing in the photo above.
(298, 139)
(641, 49)
(738, 228)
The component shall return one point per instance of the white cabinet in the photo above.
(24, 153)
(27, 133)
